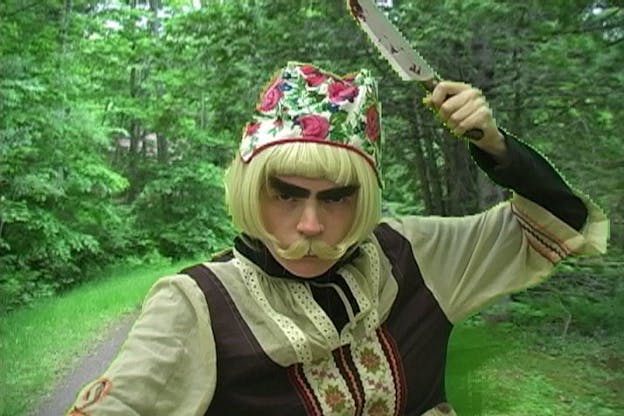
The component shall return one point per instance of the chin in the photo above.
(307, 267)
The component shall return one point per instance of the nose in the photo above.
(309, 223)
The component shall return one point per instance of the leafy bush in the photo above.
(182, 210)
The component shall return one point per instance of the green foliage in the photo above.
(584, 297)
(530, 369)
(117, 122)
(182, 211)
(56, 187)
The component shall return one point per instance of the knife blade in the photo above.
(391, 43)
(408, 63)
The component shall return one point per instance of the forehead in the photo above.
(310, 184)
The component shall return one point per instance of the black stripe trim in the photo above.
(304, 390)
(351, 376)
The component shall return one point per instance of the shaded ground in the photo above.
(88, 368)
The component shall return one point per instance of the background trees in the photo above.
(118, 117)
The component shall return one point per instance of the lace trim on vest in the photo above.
(365, 293)
(317, 315)
(368, 302)
(295, 335)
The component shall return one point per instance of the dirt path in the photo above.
(90, 367)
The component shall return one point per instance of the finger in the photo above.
(477, 120)
(444, 90)
(455, 103)
(466, 110)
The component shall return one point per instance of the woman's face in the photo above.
(306, 210)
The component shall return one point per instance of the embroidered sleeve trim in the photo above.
(94, 394)
(543, 242)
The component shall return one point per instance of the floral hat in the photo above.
(306, 104)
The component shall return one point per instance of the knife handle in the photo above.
(474, 134)
(430, 84)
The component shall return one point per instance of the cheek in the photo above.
(266, 220)
(348, 220)
(267, 216)
(343, 218)
(276, 216)
(269, 219)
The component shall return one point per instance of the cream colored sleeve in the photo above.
(167, 364)
(469, 262)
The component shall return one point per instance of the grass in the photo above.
(501, 369)
(494, 369)
(38, 344)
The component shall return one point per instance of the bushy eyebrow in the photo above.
(299, 192)
(288, 188)
(337, 193)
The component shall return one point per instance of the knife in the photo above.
(396, 49)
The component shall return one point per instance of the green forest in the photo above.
(118, 117)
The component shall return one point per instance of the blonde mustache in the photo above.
(303, 247)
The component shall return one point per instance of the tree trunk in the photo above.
(425, 183)
(135, 129)
(434, 173)
(162, 148)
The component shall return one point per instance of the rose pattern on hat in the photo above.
(372, 123)
(341, 91)
(271, 96)
(252, 128)
(314, 77)
(314, 126)
(305, 103)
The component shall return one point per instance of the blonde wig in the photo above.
(245, 182)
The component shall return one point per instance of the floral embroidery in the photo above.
(335, 398)
(370, 360)
(340, 92)
(359, 378)
(252, 128)
(271, 97)
(313, 76)
(372, 123)
(376, 375)
(314, 127)
(325, 382)
(304, 103)
(379, 407)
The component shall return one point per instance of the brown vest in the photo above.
(250, 383)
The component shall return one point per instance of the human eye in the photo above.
(338, 196)
(335, 199)
(285, 197)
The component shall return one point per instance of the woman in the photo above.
(321, 307)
